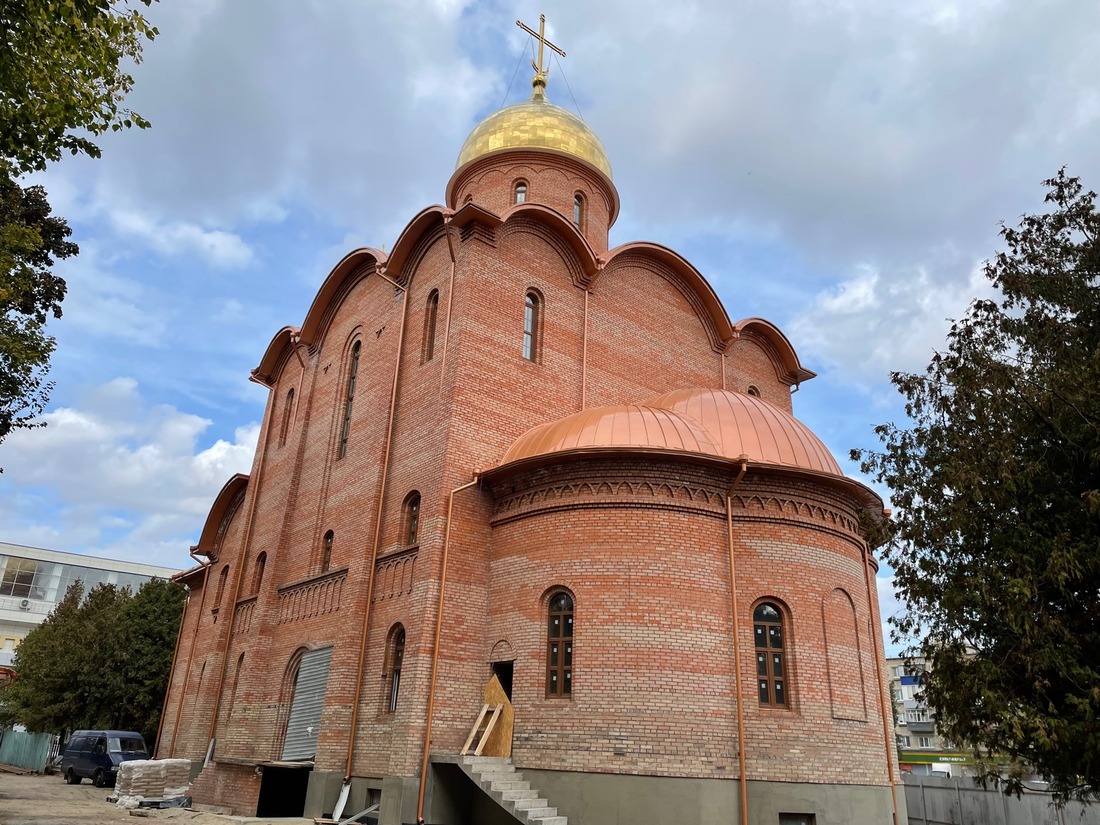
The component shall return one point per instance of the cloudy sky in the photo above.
(839, 167)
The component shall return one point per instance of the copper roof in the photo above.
(718, 423)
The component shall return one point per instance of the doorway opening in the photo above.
(503, 672)
(283, 790)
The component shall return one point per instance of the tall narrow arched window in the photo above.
(578, 210)
(771, 664)
(288, 408)
(521, 191)
(326, 552)
(412, 519)
(258, 575)
(431, 311)
(559, 646)
(397, 658)
(222, 579)
(532, 320)
(349, 399)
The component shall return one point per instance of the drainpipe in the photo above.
(175, 658)
(737, 645)
(262, 450)
(191, 652)
(435, 650)
(450, 300)
(584, 355)
(881, 687)
(377, 530)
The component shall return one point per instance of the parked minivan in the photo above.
(96, 755)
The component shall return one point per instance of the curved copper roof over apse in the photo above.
(717, 423)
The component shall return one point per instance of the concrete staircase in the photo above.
(498, 777)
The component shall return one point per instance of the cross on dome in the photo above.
(539, 81)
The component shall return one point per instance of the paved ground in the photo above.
(26, 799)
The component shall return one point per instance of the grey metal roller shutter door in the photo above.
(309, 701)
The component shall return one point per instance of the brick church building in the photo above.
(509, 473)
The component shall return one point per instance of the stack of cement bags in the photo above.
(153, 778)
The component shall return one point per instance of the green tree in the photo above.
(62, 83)
(995, 478)
(98, 661)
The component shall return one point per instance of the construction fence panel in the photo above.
(943, 801)
(29, 751)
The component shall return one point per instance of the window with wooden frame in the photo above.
(349, 400)
(431, 312)
(520, 191)
(222, 579)
(532, 320)
(288, 408)
(412, 519)
(771, 659)
(326, 551)
(578, 210)
(559, 645)
(397, 658)
(258, 575)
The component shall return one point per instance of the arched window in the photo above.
(521, 191)
(349, 398)
(258, 575)
(412, 518)
(288, 408)
(397, 657)
(326, 552)
(578, 210)
(559, 646)
(532, 319)
(430, 313)
(753, 391)
(771, 664)
(221, 585)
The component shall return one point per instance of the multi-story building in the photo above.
(33, 581)
(922, 751)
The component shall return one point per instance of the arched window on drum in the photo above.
(769, 638)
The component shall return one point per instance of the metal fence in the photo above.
(29, 751)
(937, 801)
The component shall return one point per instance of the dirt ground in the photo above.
(28, 799)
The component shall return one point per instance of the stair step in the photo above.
(511, 796)
(549, 820)
(509, 785)
(484, 760)
(540, 813)
(530, 804)
(495, 770)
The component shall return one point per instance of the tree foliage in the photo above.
(100, 661)
(997, 481)
(63, 80)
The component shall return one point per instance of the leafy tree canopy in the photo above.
(61, 74)
(996, 478)
(98, 661)
(62, 83)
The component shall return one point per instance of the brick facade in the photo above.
(640, 541)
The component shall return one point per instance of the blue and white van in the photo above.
(96, 755)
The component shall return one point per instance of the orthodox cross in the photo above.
(540, 35)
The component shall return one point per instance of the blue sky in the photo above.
(839, 168)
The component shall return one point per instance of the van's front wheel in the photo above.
(98, 779)
(71, 777)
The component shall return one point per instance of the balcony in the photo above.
(928, 726)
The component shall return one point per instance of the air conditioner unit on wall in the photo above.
(25, 604)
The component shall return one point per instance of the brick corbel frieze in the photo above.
(756, 500)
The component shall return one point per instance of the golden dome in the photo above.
(717, 423)
(535, 124)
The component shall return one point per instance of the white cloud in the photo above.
(133, 479)
(876, 322)
(219, 248)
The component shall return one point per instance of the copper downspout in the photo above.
(881, 687)
(737, 647)
(723, 369)
(435, 651)
(450, 302)
(584, 356)
(377, 529)
(175, 657)
(262, 449)
(190, 653)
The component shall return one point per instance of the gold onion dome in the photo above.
(535, 124)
